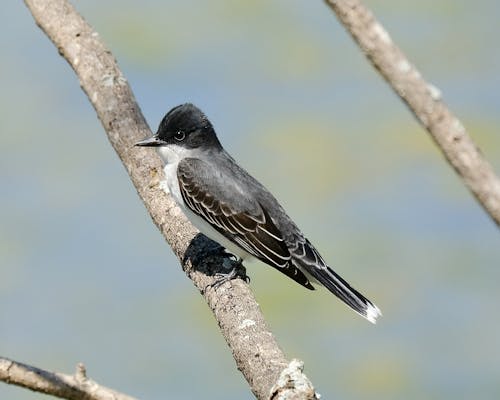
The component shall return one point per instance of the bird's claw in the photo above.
(237, 271)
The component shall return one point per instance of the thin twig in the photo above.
(424, 101)
(241, 322)
(71, 387)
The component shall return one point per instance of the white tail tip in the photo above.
(372, 313)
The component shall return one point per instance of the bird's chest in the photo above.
(172, 155)
(172, 183)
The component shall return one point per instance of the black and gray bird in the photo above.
(231, 207)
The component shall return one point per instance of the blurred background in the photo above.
(85, 275)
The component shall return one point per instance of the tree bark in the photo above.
(424, 101)
(71, 387)
(238, 315)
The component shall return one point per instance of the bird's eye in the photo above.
(179, 136)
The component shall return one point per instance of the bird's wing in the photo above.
(231, 210)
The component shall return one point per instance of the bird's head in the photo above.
(184, 126)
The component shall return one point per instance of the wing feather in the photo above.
(236, 216)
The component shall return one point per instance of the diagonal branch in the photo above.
(240, 320)
(71, 387)
(424, 101)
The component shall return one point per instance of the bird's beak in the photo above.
(151, 142)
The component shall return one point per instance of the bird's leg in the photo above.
(237, 271)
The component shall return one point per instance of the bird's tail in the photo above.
(340, 288)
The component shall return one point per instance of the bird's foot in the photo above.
(237, 271)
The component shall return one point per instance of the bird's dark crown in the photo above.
(186, 125)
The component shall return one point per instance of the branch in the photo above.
(424, 101)
(71, 387)
(241, 322)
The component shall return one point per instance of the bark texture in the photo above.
(71, 387)
(241, 322)
(424, 101)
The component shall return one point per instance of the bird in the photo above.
(231, 207)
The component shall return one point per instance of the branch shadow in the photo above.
(209, 257)
(204, 255)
